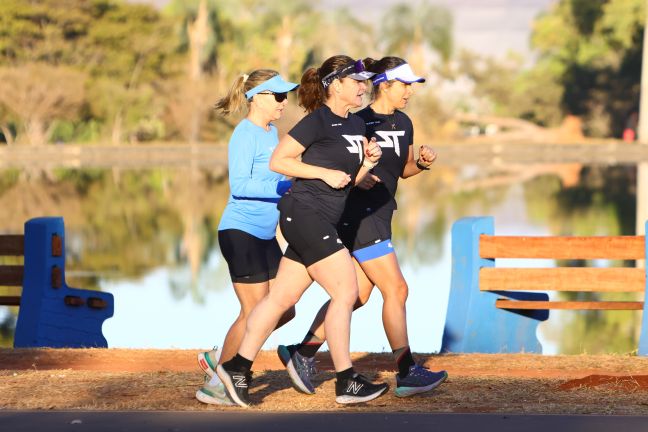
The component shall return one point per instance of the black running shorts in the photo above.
(359, 231)
(249, 258)
(310, 237)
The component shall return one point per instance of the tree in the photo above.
(408, 30)
(37, 94)
(593, 51)
(130, 45)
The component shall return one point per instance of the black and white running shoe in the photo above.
(358, 389)
(236, 384)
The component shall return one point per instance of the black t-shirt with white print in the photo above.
(333, 142)
(395, 134)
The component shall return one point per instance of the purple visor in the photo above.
(354, 70)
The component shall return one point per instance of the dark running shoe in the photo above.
(236, 384)
(357, 390)
(300, 368)
(418, 380)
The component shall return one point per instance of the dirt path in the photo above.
(111, 379)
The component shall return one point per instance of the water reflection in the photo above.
(149, 237)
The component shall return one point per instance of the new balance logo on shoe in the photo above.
(354, 387)
(239, 381)
(357, 390)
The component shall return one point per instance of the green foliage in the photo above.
(593, 51)
(588, 64)
(185, 12)
(129, 46)
(140, 65)
(404, 25)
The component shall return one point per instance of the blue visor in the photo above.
(276, 84)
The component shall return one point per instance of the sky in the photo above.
(491, 27)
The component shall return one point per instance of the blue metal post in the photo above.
(473, 323)
(52, 314)
(643, 336)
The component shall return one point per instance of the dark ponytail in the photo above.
(380, 66)
(311, 92)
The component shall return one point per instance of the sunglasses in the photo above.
(279, 97)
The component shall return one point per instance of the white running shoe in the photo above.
(208, 361)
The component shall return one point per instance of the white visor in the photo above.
(402, 73)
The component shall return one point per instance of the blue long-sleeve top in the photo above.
(254, 189)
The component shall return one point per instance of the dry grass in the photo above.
(520, 383)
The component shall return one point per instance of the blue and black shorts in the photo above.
(368, 235)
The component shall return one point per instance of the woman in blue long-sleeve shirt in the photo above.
(246, 233)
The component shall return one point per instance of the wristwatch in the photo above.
(420, 166)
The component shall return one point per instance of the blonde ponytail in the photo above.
(235, 99)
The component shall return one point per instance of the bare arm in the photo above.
(285, 160)
(427, 156)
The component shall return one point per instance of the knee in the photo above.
(398, 292)
(348, 297)
(284, 301)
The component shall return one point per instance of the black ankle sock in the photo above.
(310, 345)
(238, 363)
(404, 360)
(345, 374)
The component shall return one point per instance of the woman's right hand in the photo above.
(336, 179)
(368, 181)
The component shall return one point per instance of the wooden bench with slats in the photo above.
(11, 275)
(480, 289)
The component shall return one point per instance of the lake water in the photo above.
(149, 237)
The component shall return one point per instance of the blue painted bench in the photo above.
(51, 314)
(497, 310)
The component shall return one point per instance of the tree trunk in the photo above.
(116, 136)
(284, 45)
(198, 36)
(35, 129)
(9, 138)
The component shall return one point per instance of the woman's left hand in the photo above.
(427, 155)
(372, 150)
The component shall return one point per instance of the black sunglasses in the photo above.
(279, 97)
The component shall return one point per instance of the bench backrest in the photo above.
(11, 275)
(577, 279)
(498, 309)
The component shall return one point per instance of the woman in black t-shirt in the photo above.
(325, 152)
(365, 227)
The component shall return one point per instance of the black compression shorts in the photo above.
(310, 237)
(249, 258)
(359, 231)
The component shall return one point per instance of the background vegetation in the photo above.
(89, 71)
